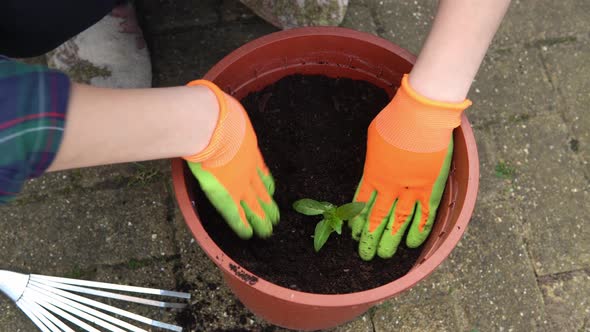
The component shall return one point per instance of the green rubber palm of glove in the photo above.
(233, 174)
(242, 218)
(382, 241)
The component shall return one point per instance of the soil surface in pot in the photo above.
(312, 132)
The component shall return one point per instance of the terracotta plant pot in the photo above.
(334, 52)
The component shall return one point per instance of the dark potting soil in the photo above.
(312, 133)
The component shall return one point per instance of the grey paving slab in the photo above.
(428, 306)
(569, 72)
(153, 273)
(362, 324)
(546, 20)
(567, 301)
(511, 85)
(430, 315)
(436, 286)
(161, 16)
(548, 190)
(493, 184)
(359, 17)
(121, 175)
(405, 23)
(234, 10)
(80, 229)
(184, 56)
(99, 177)
(47, 184)
(495, 287)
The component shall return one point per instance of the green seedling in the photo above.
(135, 264)
(504, 170)
(334, 217)
(75, 273)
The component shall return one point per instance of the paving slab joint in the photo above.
(562, 275)
(540, 43)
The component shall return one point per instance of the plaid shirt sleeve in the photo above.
(33, 104)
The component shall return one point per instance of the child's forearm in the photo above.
(106, 126)
(460, 36)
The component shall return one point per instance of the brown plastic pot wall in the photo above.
(334, 52)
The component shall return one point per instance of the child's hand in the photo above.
(409, 151)
(233, 174)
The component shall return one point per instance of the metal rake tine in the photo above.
(77, 298)
(69, 317)
(54, 319)
(111, 295)
(54, 324)
(104, 285)
(47, 300)
(25, 307)
(69, 306)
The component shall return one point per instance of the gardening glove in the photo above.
(233, 174)
(409, 151)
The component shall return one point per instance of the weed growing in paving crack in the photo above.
(135, 264)
(504, 171)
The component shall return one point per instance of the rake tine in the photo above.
(55, 320)
(26, 308)
(68, 317)
(105, 307)
(54, 324)
(51, 304)
(104, 285)
(111, 295)
(43, 297)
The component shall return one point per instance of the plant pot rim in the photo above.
(331, 300)
(285, 35)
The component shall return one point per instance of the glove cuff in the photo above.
(216, 138)
(415, 123)
(435, 113)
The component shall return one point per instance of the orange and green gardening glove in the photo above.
(233, 174)
(409, 151)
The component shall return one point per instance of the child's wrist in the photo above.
(439, 82)
(211, 98)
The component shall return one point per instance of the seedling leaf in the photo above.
(336, 224)
(328, 205)
(350, 210)
(309, 207)
(321, 235)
